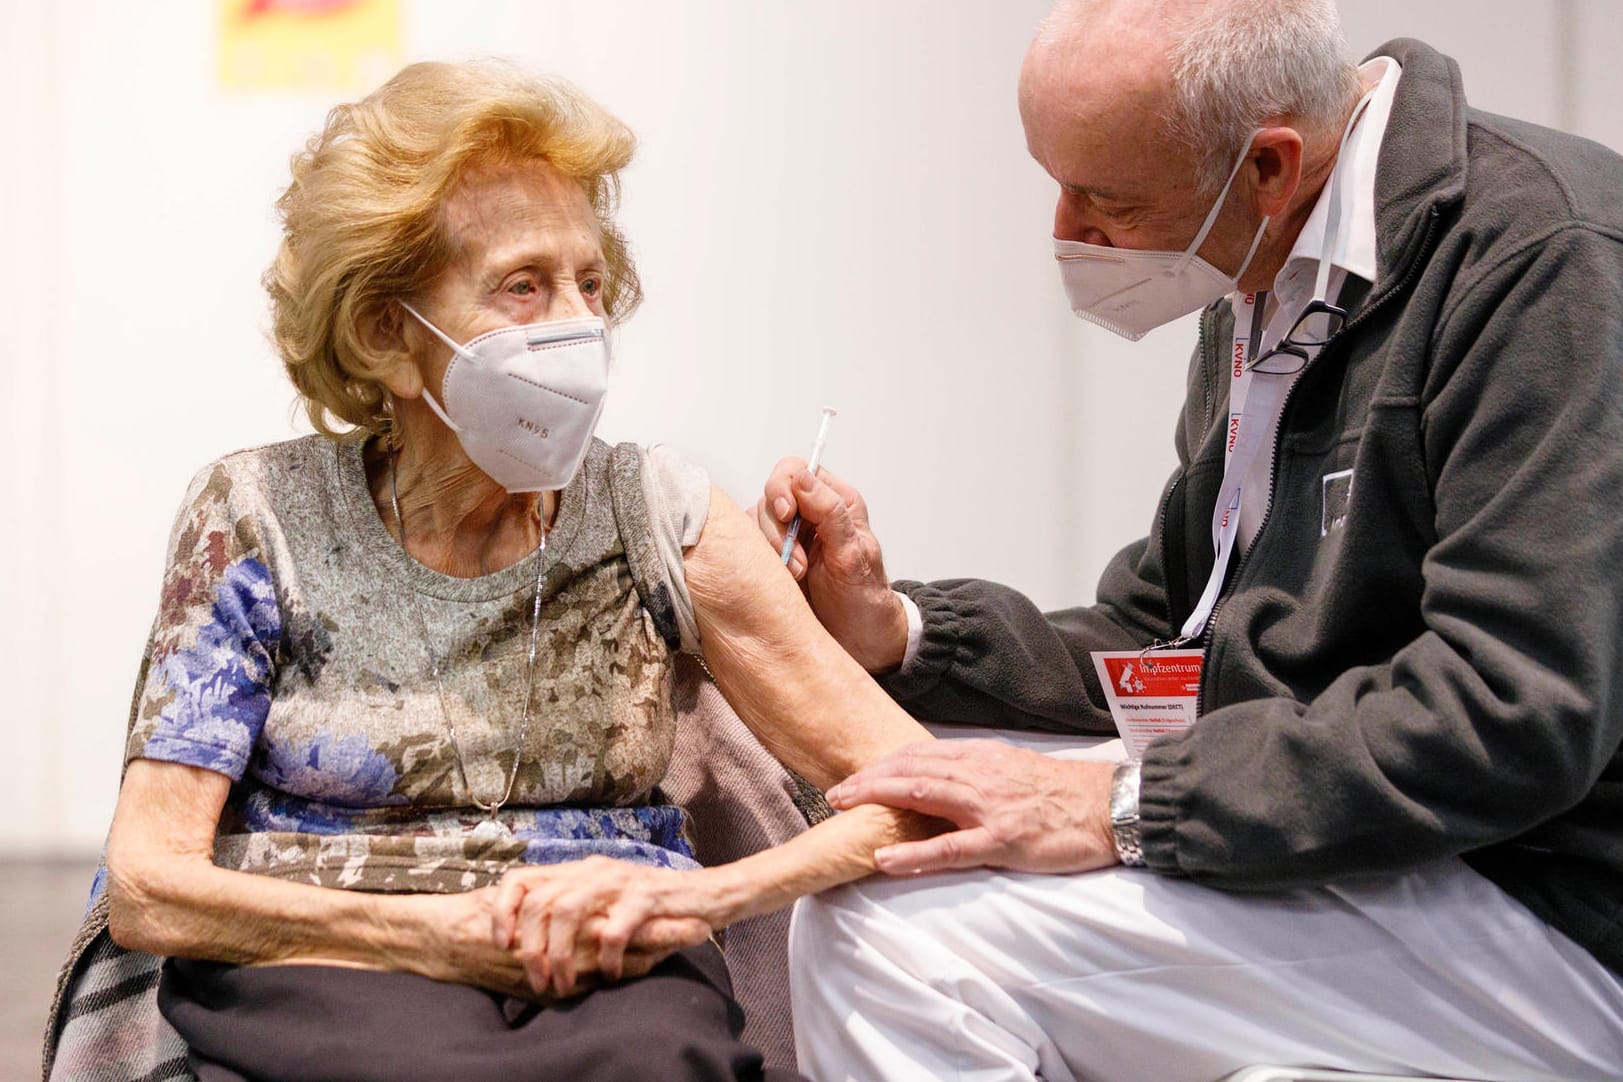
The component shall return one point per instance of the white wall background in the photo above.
(832, 204)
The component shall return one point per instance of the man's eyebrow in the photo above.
(1095, 193)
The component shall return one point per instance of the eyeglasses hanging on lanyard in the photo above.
(1303, 341)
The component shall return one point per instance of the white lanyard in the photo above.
(1255, 400)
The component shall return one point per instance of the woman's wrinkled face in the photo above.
(526, 250)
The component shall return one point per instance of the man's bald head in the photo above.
(1145, 20)
(1094, 57)
(1212, 71)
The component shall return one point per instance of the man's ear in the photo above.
(1276, 165)
(385, 338)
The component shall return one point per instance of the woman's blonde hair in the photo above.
(362, 223)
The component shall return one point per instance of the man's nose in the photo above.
(1073, 222)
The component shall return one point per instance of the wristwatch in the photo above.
(1124, 814)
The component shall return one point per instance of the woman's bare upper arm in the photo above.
(166, 810)
(805, 698)
(736, 584)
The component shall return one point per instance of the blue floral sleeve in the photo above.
(212, 656)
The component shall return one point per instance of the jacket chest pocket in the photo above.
(1314, 491)
(1338, 537)
(1315, 475)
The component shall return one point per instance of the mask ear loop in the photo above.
(1256, 242)
(1217, 209)
(457, 349)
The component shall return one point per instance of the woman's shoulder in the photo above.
(271, 485)
(278, 458)
(678, 491)
(658, 490)
(652, 465)
(263, 472)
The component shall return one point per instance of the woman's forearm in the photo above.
(188, 907)
(167, 897)
(835, 851)
(184, 908)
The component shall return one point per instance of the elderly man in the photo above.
(1393, 840)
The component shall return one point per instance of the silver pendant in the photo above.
(491, 830)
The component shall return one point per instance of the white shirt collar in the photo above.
(1354, 250)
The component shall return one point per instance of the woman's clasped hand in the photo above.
(574, 925)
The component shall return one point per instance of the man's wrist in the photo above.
(883, 648)
(1124, 824)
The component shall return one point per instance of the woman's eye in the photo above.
(591, 287)
(523, 287)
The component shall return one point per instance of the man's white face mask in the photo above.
(1132, 291)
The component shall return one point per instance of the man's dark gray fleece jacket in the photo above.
(1443, 673)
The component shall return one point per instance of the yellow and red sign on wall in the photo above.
(344, 45)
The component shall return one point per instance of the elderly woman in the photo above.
(410, 681)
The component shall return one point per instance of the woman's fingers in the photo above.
(532, 942)
(624, 918)
(945, 852)
(565, 918)
(631, 899)
(657, 939)
(667, 934)
(588, 917)
(504, 912)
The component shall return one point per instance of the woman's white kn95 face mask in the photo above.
(524, 401)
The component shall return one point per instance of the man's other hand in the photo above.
(1013, 808)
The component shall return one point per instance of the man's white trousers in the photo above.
(1125, 975)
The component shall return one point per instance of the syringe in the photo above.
(811, 464)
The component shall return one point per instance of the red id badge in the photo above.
(1151, 693)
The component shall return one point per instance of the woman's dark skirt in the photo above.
(313, 1023)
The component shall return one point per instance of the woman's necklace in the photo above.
(491, 827)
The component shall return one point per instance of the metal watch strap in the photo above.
(1124, 813)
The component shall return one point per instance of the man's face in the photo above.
(1096, 126)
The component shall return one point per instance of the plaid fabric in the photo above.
(105, 1025)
